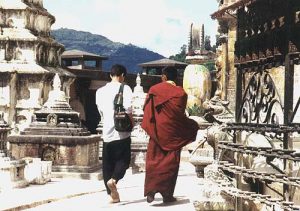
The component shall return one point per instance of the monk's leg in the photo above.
(161, 171)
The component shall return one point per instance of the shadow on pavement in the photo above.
(179, 201)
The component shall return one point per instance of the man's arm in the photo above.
(131, 118)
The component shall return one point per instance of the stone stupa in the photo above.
(56, 135)
(138, 136)
(29, 58)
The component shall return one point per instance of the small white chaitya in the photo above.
(139, 136)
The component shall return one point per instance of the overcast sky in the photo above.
(158, 25)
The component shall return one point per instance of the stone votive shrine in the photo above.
(138, 136)
(56, 135)
(11, 171)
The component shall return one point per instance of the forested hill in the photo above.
(128, 55)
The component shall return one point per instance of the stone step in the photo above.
(89, 176)
(2, 155)
(4, 159)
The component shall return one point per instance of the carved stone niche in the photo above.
(23, 91)
(4, 90)
(10, 49)
(48, 154)
(52, 120)
(41, 54)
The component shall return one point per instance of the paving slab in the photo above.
(79, 194)
(57, 189)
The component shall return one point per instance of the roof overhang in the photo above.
(231, 8)
(84, 57)
(163, 65)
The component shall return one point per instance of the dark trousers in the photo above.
(115, 159)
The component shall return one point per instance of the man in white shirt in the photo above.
(116, 145)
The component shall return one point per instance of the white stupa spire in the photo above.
(57, 97)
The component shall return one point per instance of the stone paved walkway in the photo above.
(77, 194)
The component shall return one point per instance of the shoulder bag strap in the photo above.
(118, 101)
(121, 88)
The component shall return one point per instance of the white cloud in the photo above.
(159, 25)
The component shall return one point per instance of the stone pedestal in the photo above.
(12, 174)
(11, 171)
(201, 158)
(139, 143)
(68, 153)
(138, 154)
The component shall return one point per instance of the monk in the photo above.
(169, 130)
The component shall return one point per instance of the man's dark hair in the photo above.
(170, 73)
(118, 70)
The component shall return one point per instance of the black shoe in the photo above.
(169, 199)
(150, 197)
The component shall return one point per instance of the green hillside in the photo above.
(128, 55)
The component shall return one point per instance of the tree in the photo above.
(207, 45)
(181, 55)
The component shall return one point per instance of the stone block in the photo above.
(37, 171)
(12, 174)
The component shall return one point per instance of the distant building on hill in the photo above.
(82, 63)
(155, 67)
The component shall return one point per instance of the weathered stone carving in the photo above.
(52, 119)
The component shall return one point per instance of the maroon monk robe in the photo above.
(169, 131)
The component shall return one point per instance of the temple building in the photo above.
(89, 77)
(154, 68)
(29, 58)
